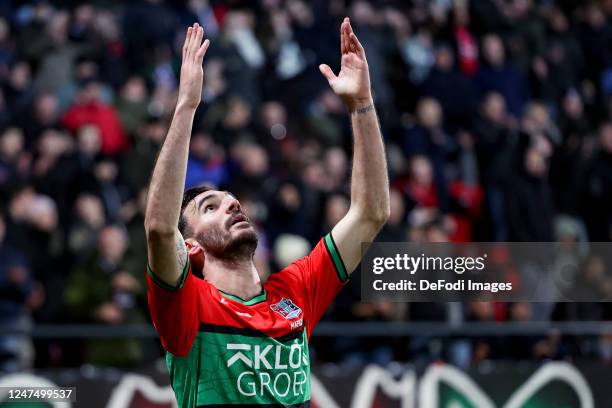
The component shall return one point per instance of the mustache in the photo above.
(238, 217)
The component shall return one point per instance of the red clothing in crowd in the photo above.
(105, 118)
(468, 51)
(422, 195)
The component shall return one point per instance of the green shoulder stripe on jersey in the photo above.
(163, 284)
(257, 299)
(330, 245)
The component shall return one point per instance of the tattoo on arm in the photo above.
(181, 251)
(363, 110)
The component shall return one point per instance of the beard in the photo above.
(224, 245)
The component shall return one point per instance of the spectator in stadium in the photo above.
(88, 109)
(14, 159)
(537, 124)
(429, 138)
(336, 207)
(87, 221)
(207, 162)
(498, 75)
(101, 290)
(454, 92)
(529, 200)
(132, 104)
(33, 229)
(43, 114)
(419, 188)
(132, 215)
(569, 163)
(496, 145)
(18, 89)
(239, 44)
(286, 204)
(595, 35)
(598, 188)
(137, 162)
(463, 36)
(16, 292)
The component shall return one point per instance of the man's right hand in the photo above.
(166, 247)
(192, 75)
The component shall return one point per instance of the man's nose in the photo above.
(233, 205)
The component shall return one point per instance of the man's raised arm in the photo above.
(167, 252)
(369, 208)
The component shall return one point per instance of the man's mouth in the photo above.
(239, 218)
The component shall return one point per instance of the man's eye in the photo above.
(209, 208)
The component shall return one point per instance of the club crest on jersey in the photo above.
(286, 308)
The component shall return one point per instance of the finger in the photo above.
(198, 41)
(327, 73)
(348, 30)
(189, 41)
(202, 51)
(347, 35)
(195, 41)
(344, 37)
(342, 49)
(192, 40)
(186, 43)
(356, 44)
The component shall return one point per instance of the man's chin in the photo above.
(239, 242)
(247, 234)
(244, 238)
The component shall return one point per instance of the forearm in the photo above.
(369, 187)
(369, 208)
(369, 180)
(168, 180)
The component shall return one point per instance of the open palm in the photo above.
(353, 82)
(192, 75)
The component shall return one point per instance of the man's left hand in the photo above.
(353, 82)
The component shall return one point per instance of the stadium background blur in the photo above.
(497, 117)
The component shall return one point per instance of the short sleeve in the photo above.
(175, 310)
(323, 274)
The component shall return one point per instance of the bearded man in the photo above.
(230, 338)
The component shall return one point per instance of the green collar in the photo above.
(253, 301)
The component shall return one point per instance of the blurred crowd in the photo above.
(497, 116)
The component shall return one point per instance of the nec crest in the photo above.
(286, 308)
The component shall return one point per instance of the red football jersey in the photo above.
(223, 350)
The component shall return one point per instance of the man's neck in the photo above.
(235, 277)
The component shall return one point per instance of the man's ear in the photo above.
(196, 257)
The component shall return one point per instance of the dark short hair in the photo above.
(189, 195)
